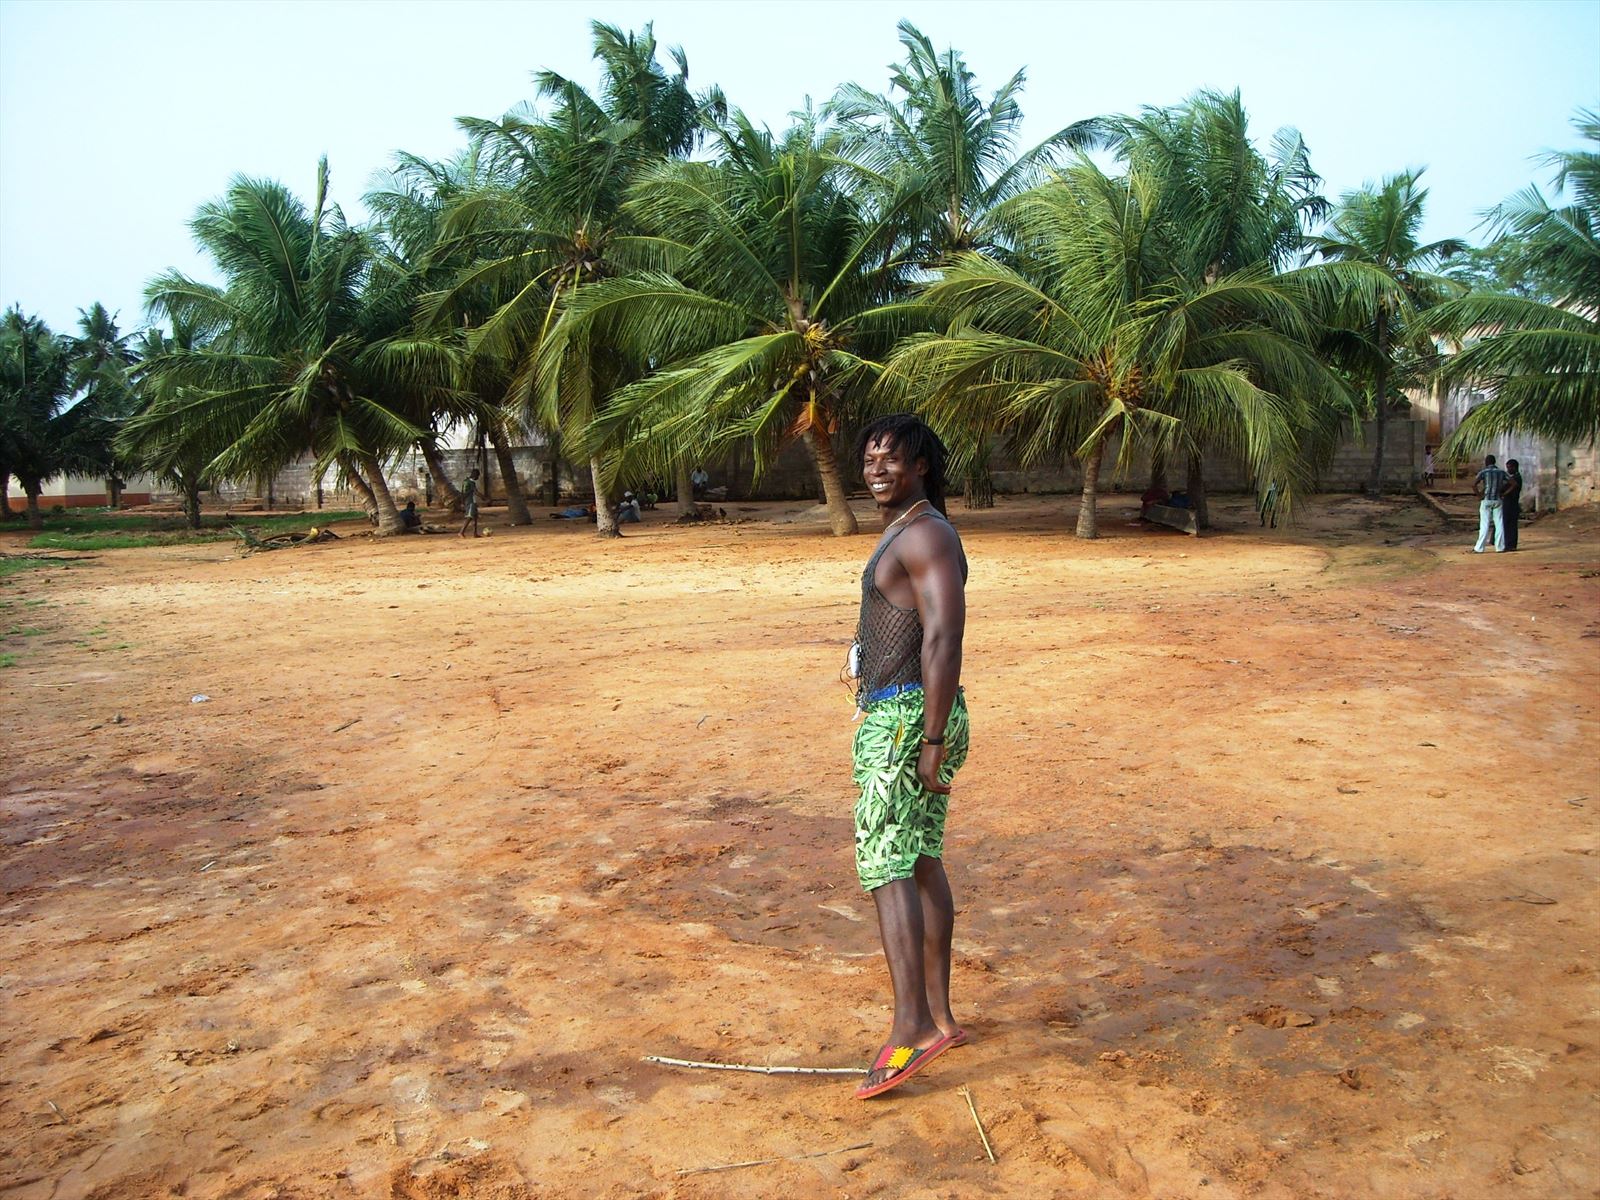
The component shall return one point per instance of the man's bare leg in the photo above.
(938, 926)
(901, 927)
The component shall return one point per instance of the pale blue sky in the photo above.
(117, 119)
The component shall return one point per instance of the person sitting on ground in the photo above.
(698, 479)
(410, 519)
(1153, 495)
(628, 510)
(1179, 500)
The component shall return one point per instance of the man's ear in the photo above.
(922, 466)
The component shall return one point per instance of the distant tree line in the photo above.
(580, 272)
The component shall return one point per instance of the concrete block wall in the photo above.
(794, 476)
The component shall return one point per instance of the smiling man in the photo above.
(913, 736)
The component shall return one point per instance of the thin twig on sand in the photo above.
(761, 1162)
(973, 1109)
(710, 1066)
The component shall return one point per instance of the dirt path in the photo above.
(1275, 855)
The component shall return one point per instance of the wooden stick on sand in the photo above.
(710, 1066)
(973, 1109)
(761, 1162)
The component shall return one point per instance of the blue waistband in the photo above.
(894, 689)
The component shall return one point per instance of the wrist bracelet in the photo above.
(938, 741)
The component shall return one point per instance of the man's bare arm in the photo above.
(931, 555)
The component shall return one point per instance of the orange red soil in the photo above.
(1275, 856)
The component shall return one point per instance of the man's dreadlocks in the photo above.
(911, 436)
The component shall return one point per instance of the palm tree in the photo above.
(181, 462)
(935, 128)
(100, 363)
(1094, 334)
(35, 418)
(549, 223)
(763, 328)
(414, 259)
(1387, 343)
(287, 361)
(1225, 207)
(1540, 361)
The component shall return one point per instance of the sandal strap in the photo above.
(896, 1058)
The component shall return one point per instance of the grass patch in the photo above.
(24, 631)
(107, 531)
(7, 660)
(14, 564)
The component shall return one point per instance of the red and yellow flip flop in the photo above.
(904, 1061)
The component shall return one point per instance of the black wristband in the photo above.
(938, 741)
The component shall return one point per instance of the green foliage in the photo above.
(574, 271)
(1539, 360)
(15, 564)
(126, 533)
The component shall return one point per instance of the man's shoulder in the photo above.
(931, 536)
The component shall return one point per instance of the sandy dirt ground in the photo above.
(1275, 855)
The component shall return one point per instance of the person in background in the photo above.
(1511, 502)
(628, 510)
(1427, 466)
(1491, 482)
(469, 498)
(410, 519)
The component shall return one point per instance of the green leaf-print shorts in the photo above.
(897, 819)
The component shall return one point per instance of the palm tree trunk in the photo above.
(189, 491)
(605, 517)
(1196, 487)
(686, 506)
(442, 486)
(389, 521)
(5, 495)
(555, 470)
(840, 517)
(359, 486)
(516, 502)
(980, 481)
(1381, 406)
(1087, 524)
(35, 517)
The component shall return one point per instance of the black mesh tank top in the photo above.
(889, 637)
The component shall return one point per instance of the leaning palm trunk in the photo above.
(1381, 401)
(389, 521)
(358, 485)
(605, 517)
(979, 484)
(686, 506)
(1196, 487)
(5, 495)
(447, 491)
(840, 517)
(516, 502)
(1087, 524)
